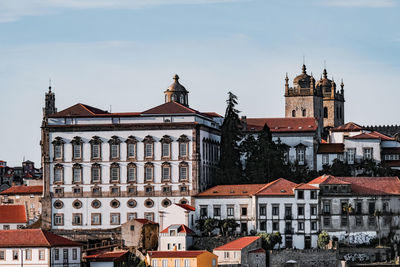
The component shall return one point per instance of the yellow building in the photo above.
(191, 258)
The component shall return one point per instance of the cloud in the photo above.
(11, 10)
(362, 3)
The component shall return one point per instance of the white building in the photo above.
(102, 169)
(39, 248)
(13, 217)
(178, 214)
(176, 237)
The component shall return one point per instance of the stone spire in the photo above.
(286, 84)
(342, 87)
(50, 103)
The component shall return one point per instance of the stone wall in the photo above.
(209, 243)
(303, 258)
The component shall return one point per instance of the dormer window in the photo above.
(172, 232)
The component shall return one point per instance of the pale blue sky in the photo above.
(124, 53)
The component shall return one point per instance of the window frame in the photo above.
(77, 143)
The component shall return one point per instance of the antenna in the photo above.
(324, 64)
(304, 59)
(50, 84)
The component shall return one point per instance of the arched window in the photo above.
(173, 97)
(182, 99)
(293, 113)
(325, 112)
(304, 112)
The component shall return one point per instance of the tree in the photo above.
(323, 239)
(226, 224)
(270, 240)
(230, 167)
(207, 225)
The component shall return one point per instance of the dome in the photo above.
(176, 86)
(325, 83)
(303, 80)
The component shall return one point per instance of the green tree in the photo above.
(269, 240)
(226, 225)
(323, 239)
(230, 167)
(207, 225)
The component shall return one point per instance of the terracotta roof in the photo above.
(13, 214)
(373, 185)
(212, 114)
(390, 150)
(79, 110)
(327, 179)
(348, 127)
(176, 254)
(33, 238)
(145, 221)
(238, 244)
(282, 124)
(330, 148)
(180, 227)
(280, 186)
(371, 135)
(306, 187)
(107, 256)
(232, 190)
(259, 250)
(23, 189)
(186, 206)
(170, 108)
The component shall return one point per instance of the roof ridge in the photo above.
(84, 106)
(266, 186)
(45, 237)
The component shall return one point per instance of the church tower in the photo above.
(333, 101)
(304, 99)
(50, 104)
(177, 92)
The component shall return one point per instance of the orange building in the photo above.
(191, 258)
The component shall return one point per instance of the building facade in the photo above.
(102, 169)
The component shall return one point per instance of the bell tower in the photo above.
(177, 92)
(50, 103)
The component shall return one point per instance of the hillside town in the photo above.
(175, 186)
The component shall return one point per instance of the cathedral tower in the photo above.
(333, 101)
(177, 92)
(50, 104)
(304, 99)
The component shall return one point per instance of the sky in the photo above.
(122, 55)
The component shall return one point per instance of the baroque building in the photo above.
(318, 99)
(102, 169)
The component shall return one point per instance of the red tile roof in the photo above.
(244, 190)
(79, 110)
(371, 135)
(330, 148)
(348, 127)
(306, 187)
(33, 238)
(280, 186)
(23, 189)
(238, 244)
(176, 254)
(327, 179)
(145, 221)
(282, 124)
(107, 256)
(171, 108)
(13, 214)
(186, 206)
(181, 229)
(373, 185)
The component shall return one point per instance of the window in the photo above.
(327, 207)
(203, 211)
(183, 146)
(293, 113)
(230, 211)
(148, 203)
(187, 263)
(56, 254)
(28, 254)
(41, 255)
(314, 225)
(313, 209)
(385, 206)
(183, 171)
(114, 203)
(351, 155)
(367, 153)
(57, 152)
(244, 211)
(325, 112)
(65, 254)
(77, 151)
(114, 218)
(300, 226)
(371, 208)
(275, 226)
(371, 221)
(96, 174)
(300, 154)
(288, 212)
(58, 145)
(59, 192)
(58, 219)
(263, 210)
(155, 263)
(131, 176)
(304, 112)
(358, 207)
(131, 216)
(214, 263)
(74, 254)
(95, 147)
(2, 255)
(76, 173)
(263, 225)
(15, 255)
(344, 221)
(114, 172)
(114, 147)
(300, 210)
(148, 150)
(327, 221)
(6, 227)
(149, 216)
(313, 194)
(166, 203)
(275, 210)
(77, 219)
(358, 221)
(132, 190)
(115, 191)
(164, 263)
(226, 254)
(325, 159)
(58, 173)
(177, 263)
(217, 211)
(96, 191)
(300, 194)
(166, 171)
(165, 150)
(96, 219)
(131, 147)
(148, 172)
